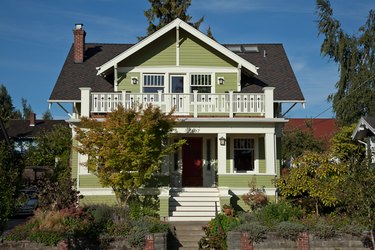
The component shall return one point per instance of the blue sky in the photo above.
(36, 36)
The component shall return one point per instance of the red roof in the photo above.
(323, 128)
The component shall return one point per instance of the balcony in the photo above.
(185, 104)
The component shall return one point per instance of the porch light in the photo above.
(220, 80)
(134, 80)
(222, 141)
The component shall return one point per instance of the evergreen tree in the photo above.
(7, 110)
(163, 12)
(47, 115)
(26, 109)
(355, 56)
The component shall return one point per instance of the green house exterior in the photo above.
(227, 97)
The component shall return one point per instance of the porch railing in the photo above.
(195, 104)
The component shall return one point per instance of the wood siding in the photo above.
(262, 155)
(230, 82)
(242, 180)
(125, 83)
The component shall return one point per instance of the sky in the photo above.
(36, 35)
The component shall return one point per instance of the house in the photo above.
(228, 98)
(365, 134)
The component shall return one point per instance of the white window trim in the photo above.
(212, 74)
(143, 74)
(256, 154)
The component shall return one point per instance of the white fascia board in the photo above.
(357, 131)
(219, 47)
(234, 120)
(67, 101)
(177, 69)
(290, 101)
(178, 23)
(138, 46)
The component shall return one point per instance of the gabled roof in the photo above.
(322, 128)
(18, 129)
(365, 128)
(178, 23)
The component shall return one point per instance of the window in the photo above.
(152, 83)
(243, 155)
(200, 82)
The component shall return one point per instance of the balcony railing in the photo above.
(195, 104)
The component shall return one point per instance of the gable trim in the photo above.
(177, 23)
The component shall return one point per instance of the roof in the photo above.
(322, 128)
(178, 23)
(274, 71)
(365, 128)
(22, 128)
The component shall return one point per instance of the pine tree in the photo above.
(163, 12)
(7, 110)
(355, 56)
(26, 109)
(47, 115)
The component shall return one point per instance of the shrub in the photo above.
(215, 232)
(324, 231)
(290, 230)
(255, 231)
(48, 238)
(256, 197)
(273, 213)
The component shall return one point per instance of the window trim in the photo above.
(212, 78)
(256, 154)
(165, 83)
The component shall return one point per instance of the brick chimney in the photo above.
(79, 43)
(32, 119)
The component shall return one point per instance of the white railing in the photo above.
(196, 104)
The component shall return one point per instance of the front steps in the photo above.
(193, 204)
(187, 235)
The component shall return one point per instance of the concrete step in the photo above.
(173, 203)
(205, 199)
(187, 218)
(192, 190)
(192, 208)
(193, 194)
(193, 213)
(188, 234)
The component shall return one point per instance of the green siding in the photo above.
(124, 80)
(224, 201)
(230, 82)
(89, 181)
(228, 156)
(194, 52)
(98, 199)
(242, 180)
(262, 157)
(164, 207)
(74, 163)
(278, 156)
(162, 51)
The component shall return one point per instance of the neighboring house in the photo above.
(365, 134)
(227, 97)
(322, 129)
(24, 132)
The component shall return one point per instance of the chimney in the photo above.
(32, 119)
(79, 43)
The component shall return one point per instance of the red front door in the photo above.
(192, 163)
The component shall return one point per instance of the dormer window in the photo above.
(153, 82)
(201, 82)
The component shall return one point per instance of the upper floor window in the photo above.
(152, 83)
(201, 82)
(243, 154)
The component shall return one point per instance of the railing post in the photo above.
(195, 103)
(85, 101)
(123, 103)
(159, 97)
(231, 104)
(268, 102)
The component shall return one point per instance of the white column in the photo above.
(115, 81)
(269, 147)
(85, 101)
(268, 101)
(221, 154)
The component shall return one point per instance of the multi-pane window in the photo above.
(152, 83)
(243, 155)
(201, 82)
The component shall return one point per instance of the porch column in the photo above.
(268, 101)
(270, 145)
(85, 101)
(221, 154)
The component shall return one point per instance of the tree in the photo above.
(355, 56)
(47, 115)
(9, 181)
(344, 148)
(26, 109)
(295, 142)
(7, 110)
(163, 12)
(315, 180)
(127, 148)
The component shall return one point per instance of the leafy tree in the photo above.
(344, 148)
(315, 180)
(127, 148)
(26, 109)
(47, 115)
(295, 142)
(163, 12)
(9, 180)
(7, 110)
(355, 56)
